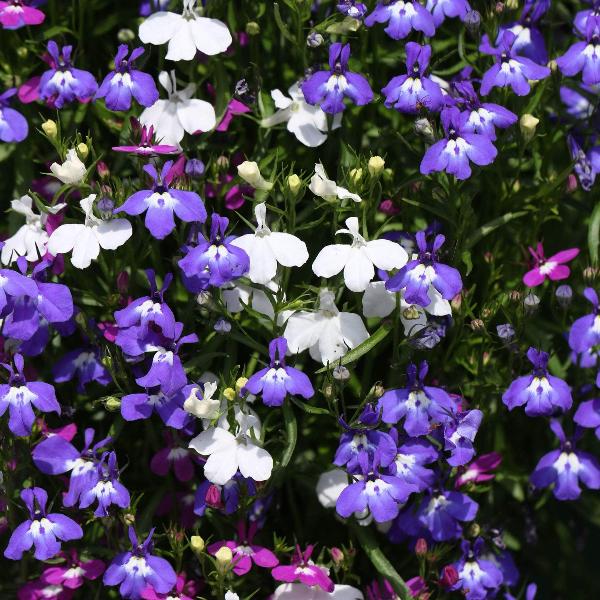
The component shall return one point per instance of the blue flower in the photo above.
(402, 17)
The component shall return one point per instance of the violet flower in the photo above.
(443, 9)
(108, 490)
(173, 456)
(351, 8)
(245, 552)
(541, 393)
(15, 14)
(13, 125)
(566, 468)
(137, 568)
(442, 513)
(185, 589)
(423, 271)
(83, 363)
(453, 152)
(162, 201)
(459, 433)
(329, 88)
(411, 457)
(585, 331)
(63, 83)
(529, 41)
(402, 16)
(276, 381)
(304, 570)
(510, 69)
(13, 285)
(147, 145)
(214, 261)
(42, 530)
(169, 407)
(124, 82)
(477, 577)
(413, 92)
(18, 396)
(583, 56)
(553, 268)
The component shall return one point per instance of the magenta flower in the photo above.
(234, 108)
(173, 456)
(245, 552)
(41, 590)
(73, 573)
(148, 145)
(553, 267)
(304, 570)
(185, 589)
(480, 469)
(15, 14)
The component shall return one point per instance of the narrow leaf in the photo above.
(490, 226)
(594, 234)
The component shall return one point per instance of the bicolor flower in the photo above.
(14, 286)
(175, 457)
(13, 125)
(529, 41)
(85, 240)
(266, 249)
(74, 572)
(205, 407)
(329, 88)
(359, 259)
(510, 69)
(553, 268)
(442, 513)
(327, 333)
(328, 189)
(308, 123)
(19, 395)
(169, 407)
(72, 171)
(583, 56)
(215, 260)
(83, 363)
(411, 457)
(421, 406)
(480, 469)
(447, 9)
(147, 145)
(566, 468)
(63, 83)
(137, 568)
(126, 82)
(459, 434)
(297, 591)
(402, 16)
(352, 8)
(588, 415)
(179, 113)
(304, 570)
(45, 531)
(454, 152)
(477, 578)
(15, 14)
(541, 393)
(423, 271)
(414, 92)
(278, 380)
(186, 33)
(160, 202)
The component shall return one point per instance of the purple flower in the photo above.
(147, 7)
(173, 456)
(529, 41)
(15, 14)
(588, 415)
(147, 145)
(421, 406)
(416, 277)
(479, 470)
(13, 285)
(150, 309)
(587, 164)
(412, 455)
(442, 513)
(329, 88)
(161, 202)
(352, 8)
(402, 17)
(459, 434)
(578, 105)
(44, 531)
(74, 572)
(584, 56)
(541, 393)
(510, 69)
(213, 261)
(566, 468)
(83, 363)
(442, 9)
(585, 331)
(18, 395)
(304, 570)
(63, 83)
(137, 568)
(414, 91)
(124, 82)
(169, 407)
(278, 380)
(13, 125)
(453, 152)
(477, 577)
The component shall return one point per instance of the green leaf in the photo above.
(291, 431)
(594, 234)
(490, 226)
(363, 348)
(282, 26)
(307, 408)
(384, 567)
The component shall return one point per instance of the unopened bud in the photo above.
(355, 176)
(423, 128)
(477, 325)
(378, 390)
(294, 184)
(337, 555)
(512, 4)
(376, 165)
(499, 8)
(129, 519)
(222, 162)
(83, 150)
(213, 496)
(472, 21)
(474, 530)
(224, 556)
(22, 52)
(387, 207)
(314, 39)
(528, 124)
(341, 373)
(553, 66)
(113, 404)
(203, 298)
(229, 394)
(328, 391)
(250, 173)
(515, 296)
(194, 168)
(50, 128)
(506, 332)
(252, 28)
(421, 547)
(102, 170)
(197, 544)
(531, 303)
(125, 35)
(240, 383)
(449, 576)
(564, 295)
(105, 207)
(222, 326)
(589, 274)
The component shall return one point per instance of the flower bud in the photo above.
(474, 530)
(194, 168)
(564, 295)
(294, 184)
(512, 4)
(197, 544)
(224, 556)
(229, 394)
(105, 207)
(528, 124)
(213, 496)
(222, 326)
(22, 52)
(421, 547)
(336, 555)
(222, 162)
(112, 404)
(387, 207)
(250, 172)
(328, 391)
(378, 390)
(203, 298)
(589, 274)
(355, 176)
(341, 373)
(314, 39)
(376, 166)
(477, 325)
(125, 35)
(553, 66)
(449, 576)
(240, 383)
(499, 8)
(472, 21)
(348, 25)
(83, 150)
(129, 519)
(123, 282)
(50, 128)
(531, 303)
(506, 332)
(424, 128)
(102, 170)
(252, 28)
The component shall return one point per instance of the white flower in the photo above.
(250, 172)
(359, 259)
(72, 171)
(236, 296)
(186, 33)
(229, 595)
(299, 591)
(85, 240)
(178, 114)
(308, 123)
(31, 238)
(330, 485)
(228, 452)
(266, 248)
(205, 408)
(377, 301)
(327, 333)
(328, 189)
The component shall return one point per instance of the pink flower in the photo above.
(67, 432)
(245, 552)
(30, 90)
(235, 107)
(14, 15)
(175, 457)
(147, 146)
(304, 570)
(40, 590)
(73, 574)
(184, 590)
(552, 267)
(478, 470)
